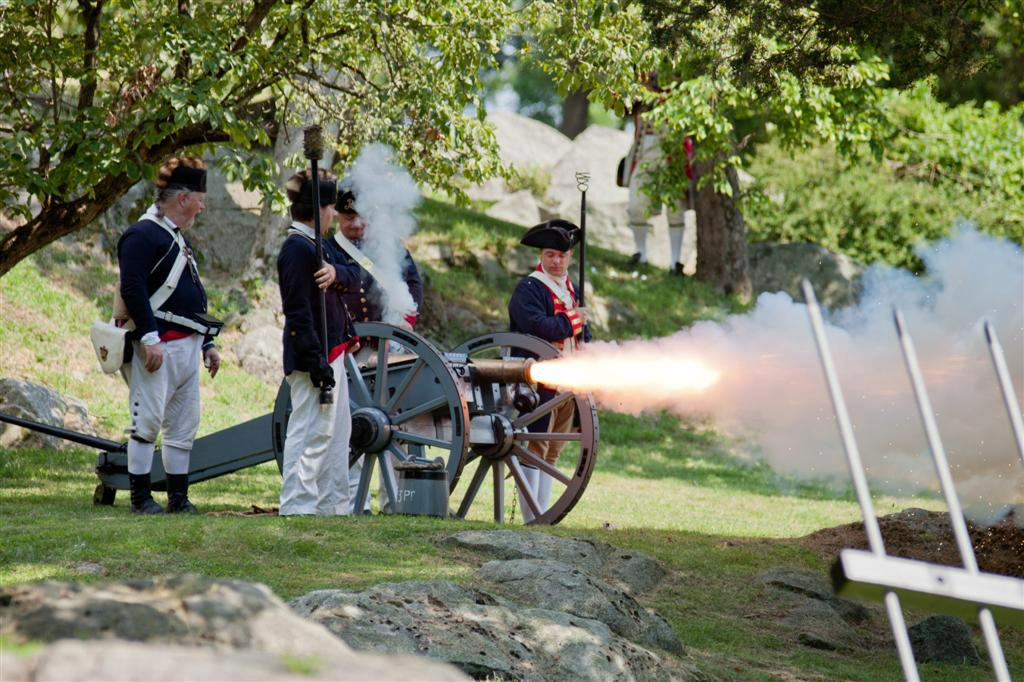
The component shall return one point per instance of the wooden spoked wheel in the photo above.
(507, 465)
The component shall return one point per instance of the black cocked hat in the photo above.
(186, 177)
(554, 234)
(346, 201)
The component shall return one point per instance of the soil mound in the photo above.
(928, 536)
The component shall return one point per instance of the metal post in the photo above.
(874, 533)
(1009, 394)
(956, 516)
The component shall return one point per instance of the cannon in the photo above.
(470, 408)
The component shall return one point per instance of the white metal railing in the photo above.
(965, 591)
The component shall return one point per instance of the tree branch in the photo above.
(91, 38)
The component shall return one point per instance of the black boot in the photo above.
(142, 497)
(177, 495)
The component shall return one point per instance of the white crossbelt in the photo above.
(352, 250)
(182, 321)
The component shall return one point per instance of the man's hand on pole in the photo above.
(325, 276)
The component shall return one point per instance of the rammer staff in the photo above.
(582, 183)
(313, 147)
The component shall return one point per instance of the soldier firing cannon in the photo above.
(470, 407)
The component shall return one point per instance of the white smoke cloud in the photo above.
(386, 196)
(772, 387)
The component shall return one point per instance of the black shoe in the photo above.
(634, 260)
(142, 496)
(177, 495)
(148, 506)
(677, 270)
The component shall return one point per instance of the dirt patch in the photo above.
(928, 536)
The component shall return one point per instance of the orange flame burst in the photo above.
(629, 372)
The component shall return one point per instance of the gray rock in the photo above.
(31, 401)
(78, 661)
(146, 629)
(188, 610)
(943, 639)
(525, 142)
(634, 572)
(810, 584)
(782, 267)
(818, 625)
(259, 353)
(820, 619)
(226, 230)
(553, 585)
(519, 207)
(481, 635)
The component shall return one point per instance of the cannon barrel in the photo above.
(65, 434)
(503, 370)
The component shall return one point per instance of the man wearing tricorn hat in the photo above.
(165, 299)
(368, 301)
(545, 304)
(314, 464)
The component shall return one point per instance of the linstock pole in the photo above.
(582, 183)
(313, 147)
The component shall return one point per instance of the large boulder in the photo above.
(633, 572)
(519, 208)
(226, 230)
(782, 267)
(31, 401)
(150, 630)
(542, 583)
(77, 661)
(481, 635)
(525, 142)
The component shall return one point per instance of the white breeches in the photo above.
(168, 399)
(648, 151)
(315, 459)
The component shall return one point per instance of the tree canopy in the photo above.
(97, 92)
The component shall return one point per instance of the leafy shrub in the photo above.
(938, 164)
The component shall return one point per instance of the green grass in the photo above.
(671, 489)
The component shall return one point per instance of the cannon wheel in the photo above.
(571, 471)
(406, 404)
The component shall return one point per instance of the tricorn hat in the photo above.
(553, 234)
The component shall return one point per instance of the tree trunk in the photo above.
(575, 109)
(722, 239)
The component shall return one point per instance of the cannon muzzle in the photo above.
(503, 371)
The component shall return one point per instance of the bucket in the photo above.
(422, 487)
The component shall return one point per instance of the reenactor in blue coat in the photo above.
(545, 304)
(165, 299)
(316, 452)
(368, 301)
(366, 304)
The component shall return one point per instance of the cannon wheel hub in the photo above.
(371, 429)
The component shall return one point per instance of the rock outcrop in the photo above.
(27, 400)
(178, 628)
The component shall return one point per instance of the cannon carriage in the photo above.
(471, 408)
